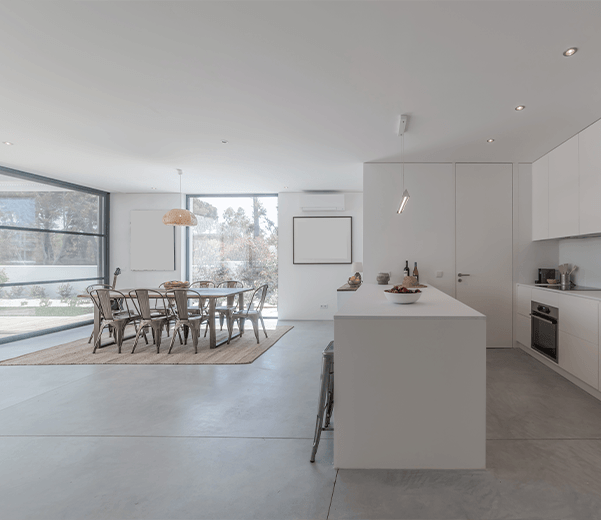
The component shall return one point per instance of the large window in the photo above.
(236, 239)
(53, 244)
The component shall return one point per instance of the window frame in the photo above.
(103, 225)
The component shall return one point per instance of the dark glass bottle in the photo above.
(406, 270)
(415, 271)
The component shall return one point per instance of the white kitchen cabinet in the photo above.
(545, 297)
(540, 198)
(579, 317)
(523, 330)
(579, 357)
(589, 156)
(524, 296)
(564, 214)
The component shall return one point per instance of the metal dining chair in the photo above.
(253, 311)
(190, 322)
(202, 302)
(149, 317)
(115, 320)
(89, 289)
(226, 311)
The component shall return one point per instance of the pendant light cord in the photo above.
(403, 157)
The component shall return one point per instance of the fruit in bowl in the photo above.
(400, 294)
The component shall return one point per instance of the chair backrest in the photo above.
(141, 301)
(105, 298)
(202, 284)
(180, 296)
(231, 284)
(258, 298)
(95, 286)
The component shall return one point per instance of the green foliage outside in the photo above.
(236, 247)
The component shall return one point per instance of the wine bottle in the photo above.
(406, 270)
(415, 272)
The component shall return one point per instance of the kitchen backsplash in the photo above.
(586, 254)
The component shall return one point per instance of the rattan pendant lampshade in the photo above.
(178, 216)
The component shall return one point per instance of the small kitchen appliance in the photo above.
(544, 275)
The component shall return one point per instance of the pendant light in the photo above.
(405, 196)
(178, 216)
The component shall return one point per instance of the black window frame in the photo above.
(104, 226)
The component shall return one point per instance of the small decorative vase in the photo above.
(383, 278)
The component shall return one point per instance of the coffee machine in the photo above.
(544, 275)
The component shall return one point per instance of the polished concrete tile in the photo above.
(527, 400)
(165, 478)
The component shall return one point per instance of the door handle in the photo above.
(459, 274)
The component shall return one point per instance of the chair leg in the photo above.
(206, 329)
(158, 332)
(325, 374)
(91, 338)
(220, 321)
(263, 323)
(255, 323)
(140, 329)
(195, 333)
(177, 325)
(98, 339)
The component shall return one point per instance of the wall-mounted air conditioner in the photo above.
(329, 202)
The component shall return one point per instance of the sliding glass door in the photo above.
(236, 239)
(53, 244)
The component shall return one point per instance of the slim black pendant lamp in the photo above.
(405, 196)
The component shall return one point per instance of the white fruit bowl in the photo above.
(403, 298)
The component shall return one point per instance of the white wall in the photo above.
(424, 234)
(121, 206)
(303, 288)
(586, 254)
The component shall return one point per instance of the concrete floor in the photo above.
(183, 442)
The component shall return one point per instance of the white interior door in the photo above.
(484, 245)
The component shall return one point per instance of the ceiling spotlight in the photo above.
(285, 187)
(7, 143)
(223, 141)
(520, 108)
(153, 188)
(570, 52)
(490, 140)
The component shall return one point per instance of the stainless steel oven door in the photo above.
(544, 336)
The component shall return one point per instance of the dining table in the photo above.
(210, 294)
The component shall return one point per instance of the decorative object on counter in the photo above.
(415, 271)
(410, 282)
(402, 295)
(565, 273)
(356, 278)
(552, 282)
(383, 278)
(406, 270)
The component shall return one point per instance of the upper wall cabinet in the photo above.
(564, 213)
(590, 179)
(540, 198)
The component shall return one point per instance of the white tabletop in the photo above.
(369, 302)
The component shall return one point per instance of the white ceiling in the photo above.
(117, 95)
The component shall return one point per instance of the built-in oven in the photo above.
(545, 330)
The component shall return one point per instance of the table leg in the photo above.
(96, 323)
(212, 336)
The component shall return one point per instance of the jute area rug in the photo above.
(240, 351)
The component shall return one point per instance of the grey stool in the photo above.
(326, 397)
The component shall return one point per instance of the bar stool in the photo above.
(326, 397)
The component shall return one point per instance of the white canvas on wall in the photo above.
(152, 245)
(322, 240)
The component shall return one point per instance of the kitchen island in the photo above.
(410, 389)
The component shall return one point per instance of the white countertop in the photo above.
(590, 295)
(369, 302)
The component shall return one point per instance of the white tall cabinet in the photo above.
(566, 188)
(590, 179)
(540, 198)
(563, 190)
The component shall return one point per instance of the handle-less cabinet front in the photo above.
(564, 213)
(540, 198)
(589, 157)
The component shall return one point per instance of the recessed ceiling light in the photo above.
(7, 143)
(570, 52)
(520, 108)
(490, 140)
(223, 141)
(285, 187)
(153, 188)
